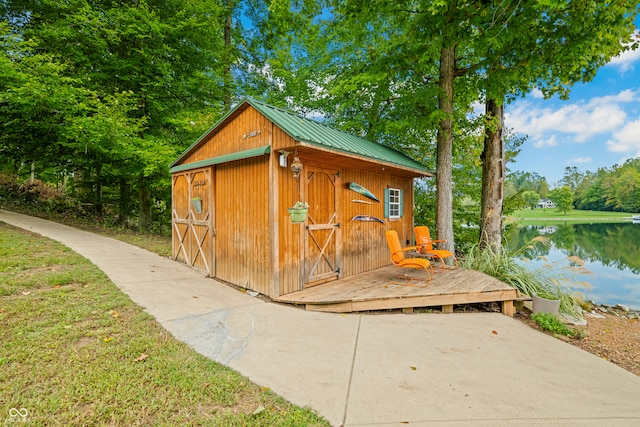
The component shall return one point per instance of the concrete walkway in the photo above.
(369, 370)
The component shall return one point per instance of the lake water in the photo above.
(610, 252)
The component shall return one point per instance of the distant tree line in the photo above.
(608, 189)
(614, 189)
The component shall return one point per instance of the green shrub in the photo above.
(8, 186)
(34, 195)
(551, 323)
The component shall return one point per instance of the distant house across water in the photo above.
(546, 203)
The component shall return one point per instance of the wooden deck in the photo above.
(389, 288)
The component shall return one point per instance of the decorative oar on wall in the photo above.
(367, 218)
(361, 190)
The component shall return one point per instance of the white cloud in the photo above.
(537, 93)
(552, 141)
(626, 60)
(318, 116)
(627, 139)
(627, 95)
(580, 120)
(580, 160)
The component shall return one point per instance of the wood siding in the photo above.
(364, 244)
(361, 245)
(249, 129)
(242, 252)
(290, 239)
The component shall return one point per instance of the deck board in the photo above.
(388, 288)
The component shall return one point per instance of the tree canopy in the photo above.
(106, 94)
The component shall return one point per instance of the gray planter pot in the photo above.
(543, 305)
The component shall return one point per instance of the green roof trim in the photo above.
(240, 155)
(308, 131)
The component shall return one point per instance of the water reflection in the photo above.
(610, 252)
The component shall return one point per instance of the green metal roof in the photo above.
(239, 155)
(311, 132)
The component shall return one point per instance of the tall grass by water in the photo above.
(548, 281)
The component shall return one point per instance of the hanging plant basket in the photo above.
(298, 213)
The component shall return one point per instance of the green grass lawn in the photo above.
(75, 351)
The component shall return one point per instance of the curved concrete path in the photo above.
(369, 370)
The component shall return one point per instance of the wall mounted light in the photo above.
(296, 165)
(282, 159)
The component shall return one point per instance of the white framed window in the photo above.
(393, 203)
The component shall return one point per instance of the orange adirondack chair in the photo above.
(425, 245)
(398, 258)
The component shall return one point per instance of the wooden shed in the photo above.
(232, 189)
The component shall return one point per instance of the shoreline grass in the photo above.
(552, 214)
(76, 351)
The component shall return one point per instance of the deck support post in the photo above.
(508, 308)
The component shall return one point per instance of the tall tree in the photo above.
(572, 178)
(549, 45)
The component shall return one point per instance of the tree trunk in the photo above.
(98, 202)
(123, 205)
(444, 162)
(492, 177)
(227, 54)
(144, 204)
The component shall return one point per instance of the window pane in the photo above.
(394, 203)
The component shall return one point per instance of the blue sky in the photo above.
(599, 126)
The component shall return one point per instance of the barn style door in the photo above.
(322, 237)
(193, 219)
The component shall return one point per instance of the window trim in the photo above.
(388, 203)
